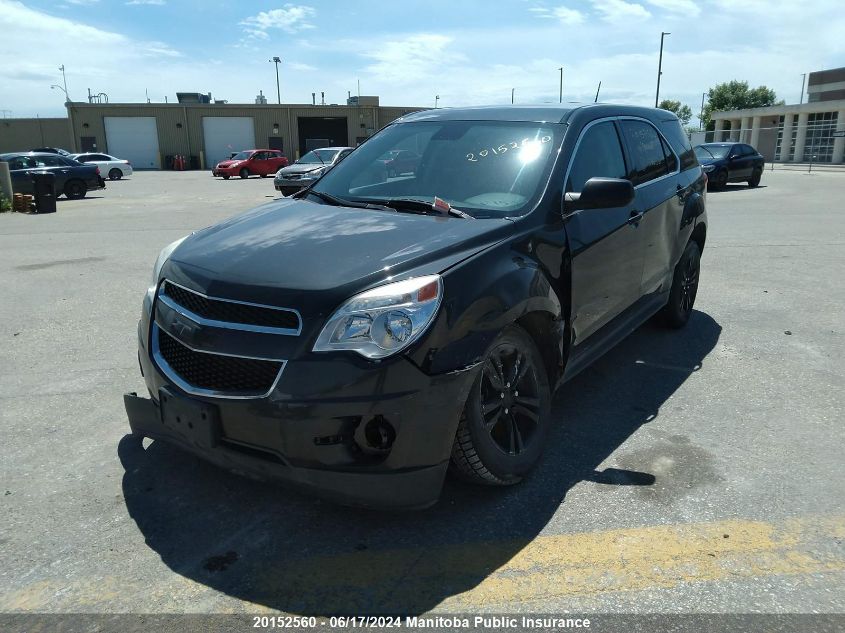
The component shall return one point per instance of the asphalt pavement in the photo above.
(689, 471)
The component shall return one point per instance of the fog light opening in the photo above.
(379, 434)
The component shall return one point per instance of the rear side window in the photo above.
(646, 151)
(679, 142)
(599, 154)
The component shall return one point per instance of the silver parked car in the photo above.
(307, 169)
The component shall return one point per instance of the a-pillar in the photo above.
(839, 142)
(801, 137)
(755, 131)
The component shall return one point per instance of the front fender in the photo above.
(482, 296)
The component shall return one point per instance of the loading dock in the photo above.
(321, 132)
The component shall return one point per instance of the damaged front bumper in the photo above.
(368, 434)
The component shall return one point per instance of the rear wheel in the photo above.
(507, 415)
(115, 174)
(755, 178)
(75, 189)
(678, 309)
(244, 173)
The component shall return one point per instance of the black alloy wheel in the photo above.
(684, 289)
(75, 189)
(506, 417)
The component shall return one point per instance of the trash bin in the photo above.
(44, 190)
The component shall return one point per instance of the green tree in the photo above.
(736, 95)
(682, 111)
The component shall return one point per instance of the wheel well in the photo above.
(699, 235)
(544, 331)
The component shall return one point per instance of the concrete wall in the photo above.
(17, 135)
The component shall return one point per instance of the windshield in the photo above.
(709, 152)
(241, 156)
(318, 157)
(486, 168)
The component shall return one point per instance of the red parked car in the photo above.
(251, 162)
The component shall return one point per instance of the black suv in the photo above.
(365, 334)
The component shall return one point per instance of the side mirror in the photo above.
(600, 193)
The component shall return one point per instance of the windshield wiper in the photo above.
(340, 202)
(414, 205)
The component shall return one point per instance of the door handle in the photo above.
(635, 218)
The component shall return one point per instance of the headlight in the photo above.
(163, 256)
(708, 168)
(314, 174)
(385, 320)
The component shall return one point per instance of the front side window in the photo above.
(485, 168)
(49, 161)
(599, 154)
(649, 160)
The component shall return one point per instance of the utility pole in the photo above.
(512, 91)
(803, 80)
(597, 93)
(560, 100)
(701, 114)
(660, 68)
(276, 60)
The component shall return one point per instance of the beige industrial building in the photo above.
(150, 134)
(806, 132)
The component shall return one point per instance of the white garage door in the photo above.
(133, 138)
(226, 134)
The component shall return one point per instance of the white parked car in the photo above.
(114, 168)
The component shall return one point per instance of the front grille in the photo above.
(221, 374)
(230, 311)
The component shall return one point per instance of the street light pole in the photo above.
(560, 99)
(660, 68)
(512, 90)
(701, 114)
(276, 60)
(803, 80)
(64, 80)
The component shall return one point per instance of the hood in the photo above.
(300, 168)
(228, 163)
(313, 256)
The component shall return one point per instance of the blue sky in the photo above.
(466, 51)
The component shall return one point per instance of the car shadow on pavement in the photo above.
(282, 549)
(735, 186)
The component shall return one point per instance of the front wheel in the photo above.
(507, 414)
(244, 173)
(225, 176)
(678, 309)
(719, 180)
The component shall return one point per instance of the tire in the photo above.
(756, 175)
(678, 309)
(265, 175)
(75, 189)
(244, 173)
(115, 174)
(720, 179)
(492, 447)
(226, 176)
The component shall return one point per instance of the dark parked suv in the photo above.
(363, 335)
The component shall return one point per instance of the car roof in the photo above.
(723, 144)
(536, 113)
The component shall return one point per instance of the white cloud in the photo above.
(82, 2)
(301, 67)
(684, 7)
(620, 11)
(290, 19)
(157, 3)
(413, 58)
(563, 14)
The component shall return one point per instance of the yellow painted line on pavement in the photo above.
(491, 573)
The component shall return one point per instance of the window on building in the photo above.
(818, 143)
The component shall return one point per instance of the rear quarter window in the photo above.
(677, 138)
